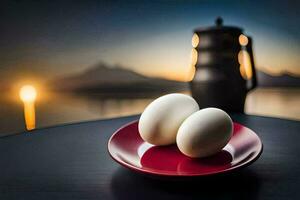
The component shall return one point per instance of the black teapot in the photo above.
(224, 67)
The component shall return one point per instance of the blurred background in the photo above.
(71, 61)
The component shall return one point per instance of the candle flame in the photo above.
(28, 93)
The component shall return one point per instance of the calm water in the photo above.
(54, 108)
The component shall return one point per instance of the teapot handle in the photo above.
(252, 83)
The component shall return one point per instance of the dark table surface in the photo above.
(72, 162)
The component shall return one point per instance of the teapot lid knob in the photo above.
(219, 21)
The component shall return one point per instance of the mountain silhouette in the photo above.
(104, 78)
(114, 79)
(285, 80)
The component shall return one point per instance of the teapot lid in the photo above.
(219, 28)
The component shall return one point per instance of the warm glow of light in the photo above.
(242, 72)
(29, 114)
(243, 40)
(245, 64)
(28, 93)
(191, 73)
(195, 40)
(194, 56)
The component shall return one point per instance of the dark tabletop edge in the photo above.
(123, 117)
(66, 124)
(267, 117)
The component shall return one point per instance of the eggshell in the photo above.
(204, 133)
(162, 118)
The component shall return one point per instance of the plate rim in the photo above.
(161, 174)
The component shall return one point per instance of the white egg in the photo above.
(204, 133)
(162, 118)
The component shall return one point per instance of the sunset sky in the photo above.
(42, 39)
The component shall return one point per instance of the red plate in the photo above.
(128, 148)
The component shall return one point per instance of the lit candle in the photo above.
(28, 96)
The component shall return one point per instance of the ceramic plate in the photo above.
(127, 148)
